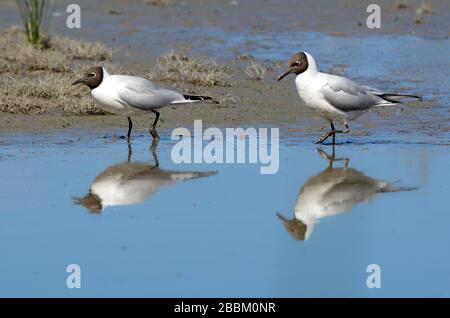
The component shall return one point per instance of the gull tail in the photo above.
(384, 187)
(396, 98)
(187, 99)
(186, 175)
(198, 98)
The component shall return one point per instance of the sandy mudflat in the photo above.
(391, 58)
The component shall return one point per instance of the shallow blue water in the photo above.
(219, 235)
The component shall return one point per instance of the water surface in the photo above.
(219, 234)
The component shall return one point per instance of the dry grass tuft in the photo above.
(179, 67)
(17, 55)
(424, 8)
(256, 71)
(37, 81)
(45, 93)
(79, 49)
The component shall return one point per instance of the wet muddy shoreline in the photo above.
(381, 58)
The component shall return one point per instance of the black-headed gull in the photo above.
(333, 97)
(332, 192)
(132, 95)
(130, 183)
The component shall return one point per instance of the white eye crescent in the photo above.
(91, 74)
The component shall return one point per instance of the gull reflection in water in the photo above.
(131, 183)
(331, 192)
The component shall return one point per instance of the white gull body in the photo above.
(131, 95)
(335, 191)
(331, 192)
(334, 97)
(132, 183)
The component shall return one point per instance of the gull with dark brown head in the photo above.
(333, 191)
(332, 97)
(132, 95)
(130, 182)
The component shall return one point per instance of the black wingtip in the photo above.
(396, 98)
(415, 96)
(196, 97)
(200, 98)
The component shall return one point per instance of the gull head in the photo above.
(297, 64)
(91, 201)
(294, 227)
(91, 78)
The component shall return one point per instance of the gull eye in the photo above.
(91, 74)
(297, 63)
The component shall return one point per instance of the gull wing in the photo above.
(143, 94)
(346, 95)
